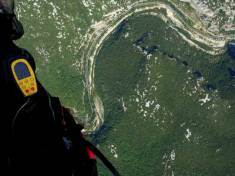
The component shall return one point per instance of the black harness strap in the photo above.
(102, 158)
(75, 132)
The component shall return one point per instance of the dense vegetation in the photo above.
(151, 83)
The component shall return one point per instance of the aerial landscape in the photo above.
(153, 81)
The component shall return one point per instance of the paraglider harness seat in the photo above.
(41, 110)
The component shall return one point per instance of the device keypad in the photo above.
(28, 86)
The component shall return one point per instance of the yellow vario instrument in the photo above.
(24, 77)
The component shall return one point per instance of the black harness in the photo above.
(74, 132)
(44, 111)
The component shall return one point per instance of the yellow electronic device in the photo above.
(24, 77)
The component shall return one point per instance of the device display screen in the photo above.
(22, 71)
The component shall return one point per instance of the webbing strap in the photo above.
(102, 158)
(75, 132)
